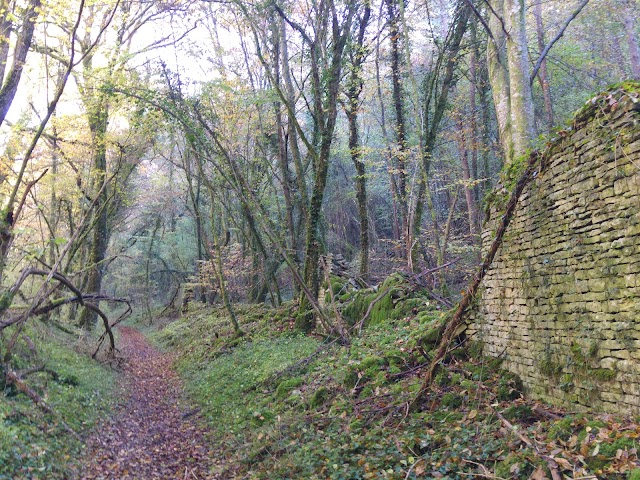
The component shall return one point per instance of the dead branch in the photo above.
(339, 320)
(14, 378)
(371, 305)
(78, 297)
(461, 310)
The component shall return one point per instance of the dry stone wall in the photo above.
(561, 302)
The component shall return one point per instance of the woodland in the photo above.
(275, 208)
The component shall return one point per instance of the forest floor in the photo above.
(154, 433)
(281, 405)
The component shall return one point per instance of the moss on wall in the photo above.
(563, 294)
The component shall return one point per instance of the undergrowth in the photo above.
(33, 444)
(344, 413)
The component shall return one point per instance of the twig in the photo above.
(412, 467)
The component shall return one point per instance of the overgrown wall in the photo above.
(561, 301)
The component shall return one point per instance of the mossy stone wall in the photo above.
(561, 301)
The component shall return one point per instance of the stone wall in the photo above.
(561, 302)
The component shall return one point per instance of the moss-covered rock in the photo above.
(319, 397)
(285, 387)
(451, 400)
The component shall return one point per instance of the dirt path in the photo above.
(152, 435)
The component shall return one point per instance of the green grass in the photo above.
(33, 444)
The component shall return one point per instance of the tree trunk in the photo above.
(400, 151)
(326, 84)
(466, 176)
(283, 160)
(508, 61)
(632, 40)
(395, 197)
(543, 77)
(23, 43)
(98, 118)
(355, 84)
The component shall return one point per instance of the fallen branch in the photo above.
(78, 297)
(14, 378)
(369, 310)
(461, 310)
(339, 320)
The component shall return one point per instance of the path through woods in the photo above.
(153, 434)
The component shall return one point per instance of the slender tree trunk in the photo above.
(400, 151)
(543, 77)
(326, 85)
(473, 93)
(23, 44)
(437, 88)
(355, 84)
(508, 60)
(630, 16)
(395, 197)
(292, 133)
(466, 176)
(283, 160)
(219, 273)
(147, 288)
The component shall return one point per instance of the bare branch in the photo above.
(544, 53)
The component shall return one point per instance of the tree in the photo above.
(352, 105)
(508, 60)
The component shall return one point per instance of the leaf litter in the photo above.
(156, 433)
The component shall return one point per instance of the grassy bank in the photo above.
(33, 444)
(344, 413)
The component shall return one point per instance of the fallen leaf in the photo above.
(539, 474)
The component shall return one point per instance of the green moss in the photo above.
(35, 445)
(442, 378)
(563, 429)
(433, 336)
(5, 301)
(509, 387)
(397, 302)
(372, 362)
(451, 400)
(516, 465)
(319, 397)
(566, 383)
(350, 379)
(395, 358)
(475, 349)
(609, 450)
(634, 474)
(577, 354)
(521, 413)
(603, 374)
(285, 387)
(549, 368)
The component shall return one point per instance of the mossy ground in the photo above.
(344, 414)
(34, 445)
